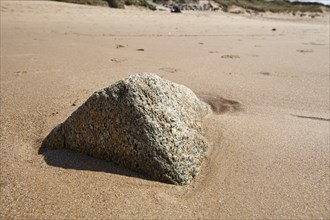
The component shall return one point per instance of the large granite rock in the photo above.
(144, 123)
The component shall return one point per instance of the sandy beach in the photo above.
(268, 153)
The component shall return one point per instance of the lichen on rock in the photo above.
(144, 123)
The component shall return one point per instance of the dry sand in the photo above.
(269, 150)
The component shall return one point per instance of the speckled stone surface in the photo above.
(144, 123)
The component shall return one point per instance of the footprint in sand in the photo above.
(314, 44)
(265, 73)
(169, 69)
(19, 73)
(230, 56)
(221, 105)
(119, 46)
(253, 55)
(306, 51)
(118, 60)
(213, 51)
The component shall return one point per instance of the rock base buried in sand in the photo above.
(144, 123)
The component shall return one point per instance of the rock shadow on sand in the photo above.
(68, 159)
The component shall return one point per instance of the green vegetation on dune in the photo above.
(272, 6)
(111, 3)
(251, 5)
(85, 2)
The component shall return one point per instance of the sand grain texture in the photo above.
(268, 137)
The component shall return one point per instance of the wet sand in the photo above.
(268, 137)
